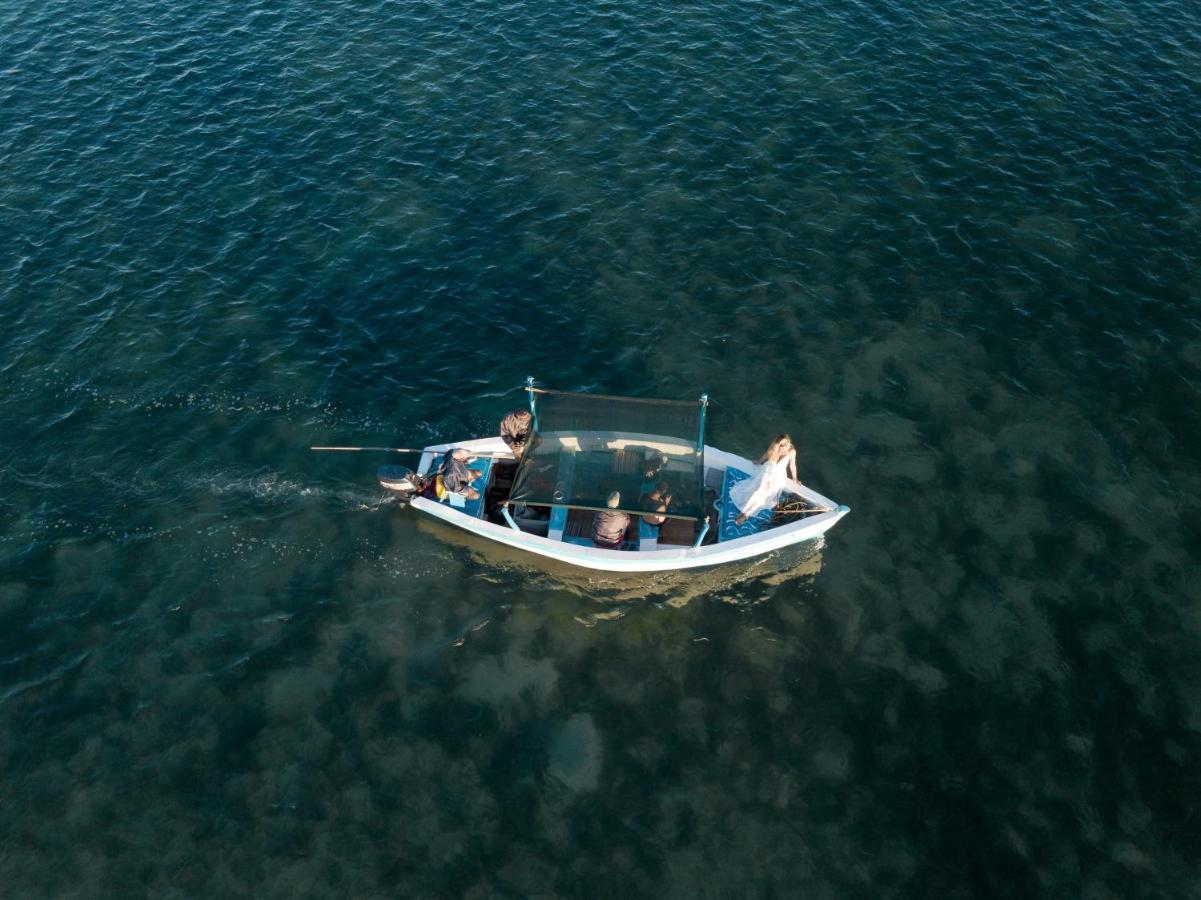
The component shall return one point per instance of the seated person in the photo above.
(657, 501)
(530, 519)
(609, 527)
(653, 463)
(515, 430)
(456, 477)
(775, 474)
(532, 513)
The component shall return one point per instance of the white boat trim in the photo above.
(658, 560)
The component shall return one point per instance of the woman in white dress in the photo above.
(776, 474)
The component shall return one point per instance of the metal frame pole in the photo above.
(504, 511)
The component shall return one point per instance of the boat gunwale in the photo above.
(659, 559)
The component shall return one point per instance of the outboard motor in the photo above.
(404, 482)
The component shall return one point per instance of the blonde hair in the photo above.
(772, 453)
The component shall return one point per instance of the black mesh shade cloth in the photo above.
(585, 447)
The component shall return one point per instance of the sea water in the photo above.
(951, 248)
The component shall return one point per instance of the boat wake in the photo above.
(275, 488)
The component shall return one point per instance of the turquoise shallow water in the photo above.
(951, 247)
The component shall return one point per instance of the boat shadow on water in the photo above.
(744, 583)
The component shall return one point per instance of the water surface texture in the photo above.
(952, 247)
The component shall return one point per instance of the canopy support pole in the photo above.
(700, 435)
(504, 511)
(529, 387)
(704, 531)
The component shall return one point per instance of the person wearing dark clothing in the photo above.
(456, 477)
(515, 430)
(609, 527)
(654, 461)
(657, 501)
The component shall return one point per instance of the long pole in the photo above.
(383, 449)
(409, 450)
(529, 386)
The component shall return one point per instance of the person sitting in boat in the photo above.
(609, 527)
(657, 501)
(515, 430)
(456, 477)
(775, 474)
(653, 464)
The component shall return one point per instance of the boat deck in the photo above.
(573, 526)
(728, 528)
(564, 534)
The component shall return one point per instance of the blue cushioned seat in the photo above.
(728, 529)
(473, 508)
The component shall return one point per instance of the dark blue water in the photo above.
(951, 247)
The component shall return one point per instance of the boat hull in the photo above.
(656, 560)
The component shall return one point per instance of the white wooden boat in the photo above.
(568, 467)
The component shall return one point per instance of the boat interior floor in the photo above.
(578, 529)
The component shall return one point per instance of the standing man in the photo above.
(515, 430)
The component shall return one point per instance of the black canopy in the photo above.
(585, 447)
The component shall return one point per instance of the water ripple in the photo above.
(952, 248)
